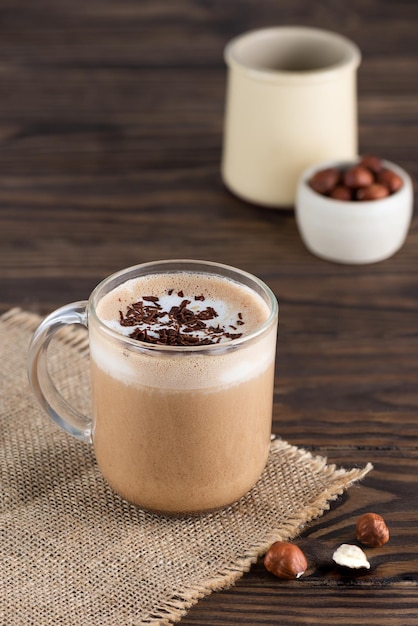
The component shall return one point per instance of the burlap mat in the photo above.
(74, 553)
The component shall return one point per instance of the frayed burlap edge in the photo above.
(227, 577)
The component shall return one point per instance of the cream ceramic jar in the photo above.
(291, 101)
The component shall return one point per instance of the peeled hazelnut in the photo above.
(371, 530)
(350, 556)
(391, 180)
(372, 192)
(285, 560)
(325, 180)
(358, 176)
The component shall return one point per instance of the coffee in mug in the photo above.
(182, 367)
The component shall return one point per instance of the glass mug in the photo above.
(175, 428)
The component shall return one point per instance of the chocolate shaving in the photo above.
(233, 335)
(150, 298)
(179, 325)
(208, 314)
(139, 334)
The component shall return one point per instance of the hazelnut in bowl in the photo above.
(354, 212)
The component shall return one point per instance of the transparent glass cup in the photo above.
(175, 429)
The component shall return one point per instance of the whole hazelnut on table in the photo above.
(371, 530)
(285, 560)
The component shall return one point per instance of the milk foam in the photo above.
(181, 369)
(226, 315)
(230, 300)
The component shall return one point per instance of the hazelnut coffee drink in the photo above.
(183, 399)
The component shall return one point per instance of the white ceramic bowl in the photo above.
(353, 231)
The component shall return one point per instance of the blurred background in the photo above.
(112, 110)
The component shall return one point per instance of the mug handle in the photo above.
(48, 396)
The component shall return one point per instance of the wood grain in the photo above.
(111, 117)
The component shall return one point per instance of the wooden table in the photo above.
(111, 120)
